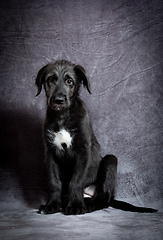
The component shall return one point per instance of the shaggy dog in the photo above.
(72, 152)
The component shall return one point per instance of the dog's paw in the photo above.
(75, 209)
(94, 204)
(90, 205)
(49, 209)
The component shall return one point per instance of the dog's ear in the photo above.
(80, 72)
(40, 79)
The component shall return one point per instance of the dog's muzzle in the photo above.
(58, 103)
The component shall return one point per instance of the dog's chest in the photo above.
(61, 139)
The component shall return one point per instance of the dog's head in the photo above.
(61, 81)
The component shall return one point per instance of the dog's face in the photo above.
(61, 81)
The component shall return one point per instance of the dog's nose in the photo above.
(59, 100)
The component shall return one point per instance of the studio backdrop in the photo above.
(120, 45)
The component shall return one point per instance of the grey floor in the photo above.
(24, 223)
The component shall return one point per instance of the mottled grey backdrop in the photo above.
(120, 44)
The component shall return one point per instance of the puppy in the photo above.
(72, 152)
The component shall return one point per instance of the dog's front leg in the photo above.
(54, 200)
(76, 187)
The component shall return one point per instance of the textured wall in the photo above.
(119, 43)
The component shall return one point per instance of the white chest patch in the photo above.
(61, 139)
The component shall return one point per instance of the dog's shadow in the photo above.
(22, 157)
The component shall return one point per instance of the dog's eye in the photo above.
(50, 79)
(69, 82)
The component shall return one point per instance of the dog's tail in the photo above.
(129, 207)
